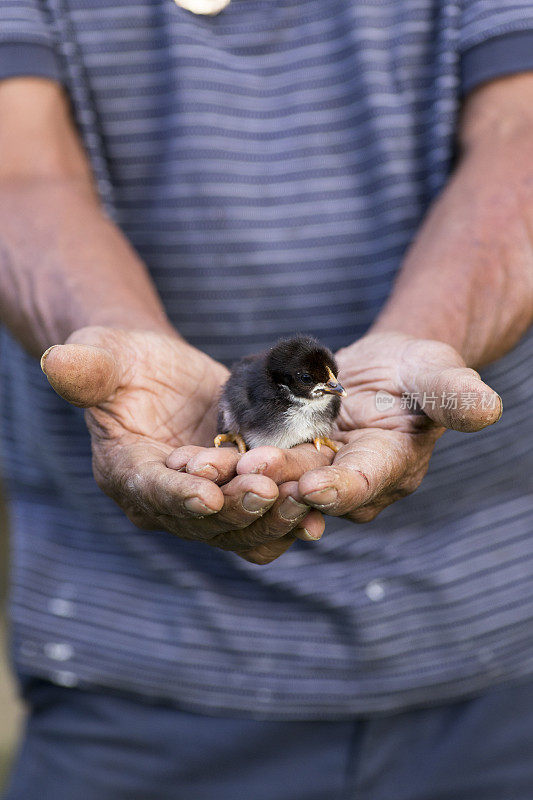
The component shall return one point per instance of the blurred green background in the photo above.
(11, 710)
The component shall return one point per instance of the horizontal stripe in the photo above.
(271, 166)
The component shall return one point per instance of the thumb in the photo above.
(83, 374)
(433, 374)
(457, 398)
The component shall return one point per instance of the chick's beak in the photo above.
(334, 387)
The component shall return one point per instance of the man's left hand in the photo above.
(402, 395)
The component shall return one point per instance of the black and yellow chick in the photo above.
(282, 397)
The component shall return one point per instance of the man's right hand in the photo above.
(147, 393)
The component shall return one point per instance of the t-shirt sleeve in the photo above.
(496, 39)
(27, 45)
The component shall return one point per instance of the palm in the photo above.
(386, 447)
(146, 393)
(389, 444)
(404, 370)
(378, 396)
(167, 397)
(151, 402)
(150, 396)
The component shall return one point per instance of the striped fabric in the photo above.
(271, 165)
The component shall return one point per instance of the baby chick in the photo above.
(281, 397)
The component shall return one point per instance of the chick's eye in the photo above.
(306, 378)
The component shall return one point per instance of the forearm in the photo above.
(467, 280)
(63, 264)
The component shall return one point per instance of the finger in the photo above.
(291, 514)
(179, 457)
(266, 553)
(149, 488)
(286, 514)
(245, 500)
(369, 512)
(311, 528)
(450, 393)
(371, 464)
(476, 406)
(365, 514)
(284, 465)
(83, 374)
(216, 464)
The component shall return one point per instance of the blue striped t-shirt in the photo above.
(271, 165)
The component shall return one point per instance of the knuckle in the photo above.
(258, 557)
(283, 527)
(409, 485)
(285, 459)
(408, 488)
(139, 519)
(257, 537)
(229, 540)
(136, 489)
(363, 515)
(237, 521)
(132, 483)
(271, 528)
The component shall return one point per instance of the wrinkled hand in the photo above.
(386, 452)
(146, 394)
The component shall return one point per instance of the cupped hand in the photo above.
(146, 394)
(402, 394)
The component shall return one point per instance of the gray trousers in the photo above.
(85, 745)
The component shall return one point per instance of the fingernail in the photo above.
(501, 408)
(290, 509)
(45, 354)
(253, 502)
(206, 471)
(195, 505)
(305, 535)
(322, 497)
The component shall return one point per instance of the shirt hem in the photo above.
(292, 707)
